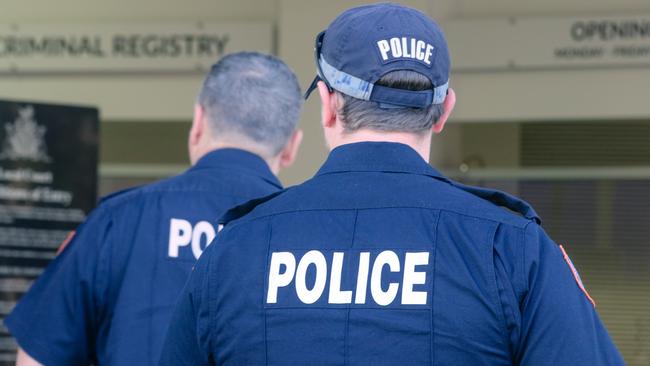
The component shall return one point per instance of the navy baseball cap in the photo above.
(367, 42)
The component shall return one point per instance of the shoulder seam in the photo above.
(121, 199)
(244, 219)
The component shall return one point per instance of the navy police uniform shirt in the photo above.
(108, 297)
(380, 260)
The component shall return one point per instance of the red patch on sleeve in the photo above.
(576, 276)
(65, 243)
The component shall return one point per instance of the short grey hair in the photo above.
(359, 114)
(252, 95)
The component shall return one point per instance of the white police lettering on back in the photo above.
(279, 278)
(405, 47)
(182, 233)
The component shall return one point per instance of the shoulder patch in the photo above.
(65, 242)
(576, 276)
(242, 210)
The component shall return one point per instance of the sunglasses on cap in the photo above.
(319, 71)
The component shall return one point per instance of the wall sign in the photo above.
(125, 48)
(48, 184)
(554, 43)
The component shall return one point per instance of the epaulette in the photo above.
(502, 199)
(245, 208)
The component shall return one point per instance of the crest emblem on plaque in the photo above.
(25, 138)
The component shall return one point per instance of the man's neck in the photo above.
(273, 164)
(420, 143)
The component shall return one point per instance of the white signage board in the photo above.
(549, 43)
(70, 48)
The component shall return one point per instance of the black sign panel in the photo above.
(48, 184)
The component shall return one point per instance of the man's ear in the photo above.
(328, 105)
(448, 105)
(198, 125)
(290, 151)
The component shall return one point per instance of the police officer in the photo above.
(108, 297)
(380, 259)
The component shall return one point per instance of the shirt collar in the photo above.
(399, 158)
(236, 159)
(377, 157)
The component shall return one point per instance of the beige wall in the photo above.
(152, 97)
(135, 10)
(497, 96)
(481, 8)
(157, 97)
(534, 95)
(547, 95)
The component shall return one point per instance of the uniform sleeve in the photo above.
(187, 341)
(55, 322)
(559, 323)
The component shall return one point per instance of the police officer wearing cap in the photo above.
(380, 259)
(107, 299)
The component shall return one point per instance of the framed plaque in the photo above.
(48, 184)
